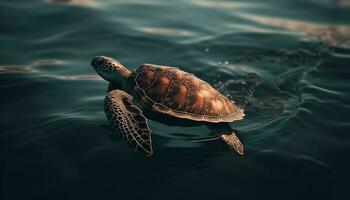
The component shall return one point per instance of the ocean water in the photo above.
(285, 62)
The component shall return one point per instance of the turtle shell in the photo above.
(171, 91)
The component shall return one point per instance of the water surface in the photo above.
(285, 62)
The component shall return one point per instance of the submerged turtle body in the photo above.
(171, 91)
(167, 91)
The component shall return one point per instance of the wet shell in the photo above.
(177, 93)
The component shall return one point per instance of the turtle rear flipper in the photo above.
(228, 135)
(233, 142)
(128, 120)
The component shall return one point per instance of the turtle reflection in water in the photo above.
(165, 94)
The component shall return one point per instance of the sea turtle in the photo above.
(165, 94)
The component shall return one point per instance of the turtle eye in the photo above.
(99, 61)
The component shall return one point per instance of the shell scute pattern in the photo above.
(181, 94)
(147, 78)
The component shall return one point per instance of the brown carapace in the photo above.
(165, 91)
(171, 91)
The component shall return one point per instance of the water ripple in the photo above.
(75, 2)
(14, 69)
(165, 31)
(336, 35)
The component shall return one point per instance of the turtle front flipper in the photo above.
(128, 119)
(228, 135)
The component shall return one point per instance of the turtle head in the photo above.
(110, 69)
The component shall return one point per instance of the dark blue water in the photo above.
(285, 62)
